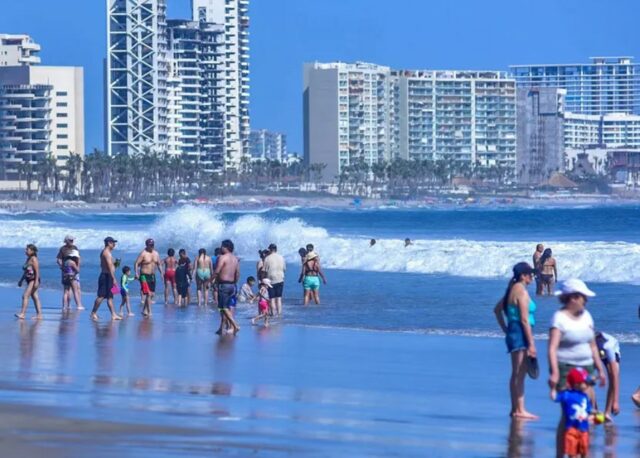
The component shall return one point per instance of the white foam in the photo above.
(195, 227)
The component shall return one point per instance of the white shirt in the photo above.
(575, 337)
(274, 267)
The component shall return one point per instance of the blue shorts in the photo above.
(226, 292)
(311, 283)
(515, 338)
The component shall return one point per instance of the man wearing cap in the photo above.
(65, 251)
(145, 267)
(107, 280)
(274, 268)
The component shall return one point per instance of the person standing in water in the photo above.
(548, 272)
(145, 268)
(536, 266)
(202, 270)
(183, 278)
(275, 267)
(170, 264)
(30, 275)
(63, 253)
(106, 280)
(407, 242)
(227, 275)
(519, 310)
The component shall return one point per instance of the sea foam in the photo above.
(195, 227)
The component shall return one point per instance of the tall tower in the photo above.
(137, 72)
(234, 15)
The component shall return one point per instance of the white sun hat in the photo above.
(572, 286)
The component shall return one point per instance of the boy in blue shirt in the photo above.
(576, 408)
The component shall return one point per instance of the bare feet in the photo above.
(94, 317)
(525, 415)
(130, 314)
(81, 307)
(219, 332)
(38, 316)
(20, 316)
(236, 330)
(115, 317)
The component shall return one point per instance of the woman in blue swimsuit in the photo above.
(515, 315)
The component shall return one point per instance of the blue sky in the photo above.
(430, 34)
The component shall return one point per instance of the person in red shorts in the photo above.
(576, 411)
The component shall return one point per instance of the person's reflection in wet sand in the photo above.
(28, 334)
(145, 329)
(66, 335)
(104, 351)
(610, 440)
(519, 444)
(225, 346)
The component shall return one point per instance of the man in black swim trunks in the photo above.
(107, 280)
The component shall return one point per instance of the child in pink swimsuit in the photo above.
(263, 302)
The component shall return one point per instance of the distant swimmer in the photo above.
(407, 242)
(548, 272)
(170, 265)
(536, 265)
(372, 242)
(30, 276)
(106, 280)
(202, 270)
(145, 267)
(227, 275)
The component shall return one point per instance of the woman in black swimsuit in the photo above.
(30, 275)
(548, 272)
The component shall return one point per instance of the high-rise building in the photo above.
(606, 85)
(196, 92)
(460, 116)
(347, 115)
(41, 114)
(234, 15)
(137, 71)
(372, 113)
(540, 151)
(264, 144)
(179, 86)
(18, 50)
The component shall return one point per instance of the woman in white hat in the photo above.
(572, 341)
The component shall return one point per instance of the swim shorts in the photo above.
(276, 290)
(148, 283)
(183, 289)
(170, 276)
(263, 306)
(515, 338)
(226, 292)
(576, 442)
(105, 284)
(546, 278)
(311, 283)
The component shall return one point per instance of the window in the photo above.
(62, 136)
(62, 126)
(61, 94)
(63, 146)
(62, 104)
(62, 115)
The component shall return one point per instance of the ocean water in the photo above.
(447, 282)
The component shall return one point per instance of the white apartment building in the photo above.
(234, 15)
(614, 130)
(347, 115)
(264, 144)
(18, 50)
(372, 113)
(462, 116)
(41, 114)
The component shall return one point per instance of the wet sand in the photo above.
(170, 387)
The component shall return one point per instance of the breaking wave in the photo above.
(193, 227)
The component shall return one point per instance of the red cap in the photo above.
(576, 376)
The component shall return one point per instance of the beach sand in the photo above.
(170, 387)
